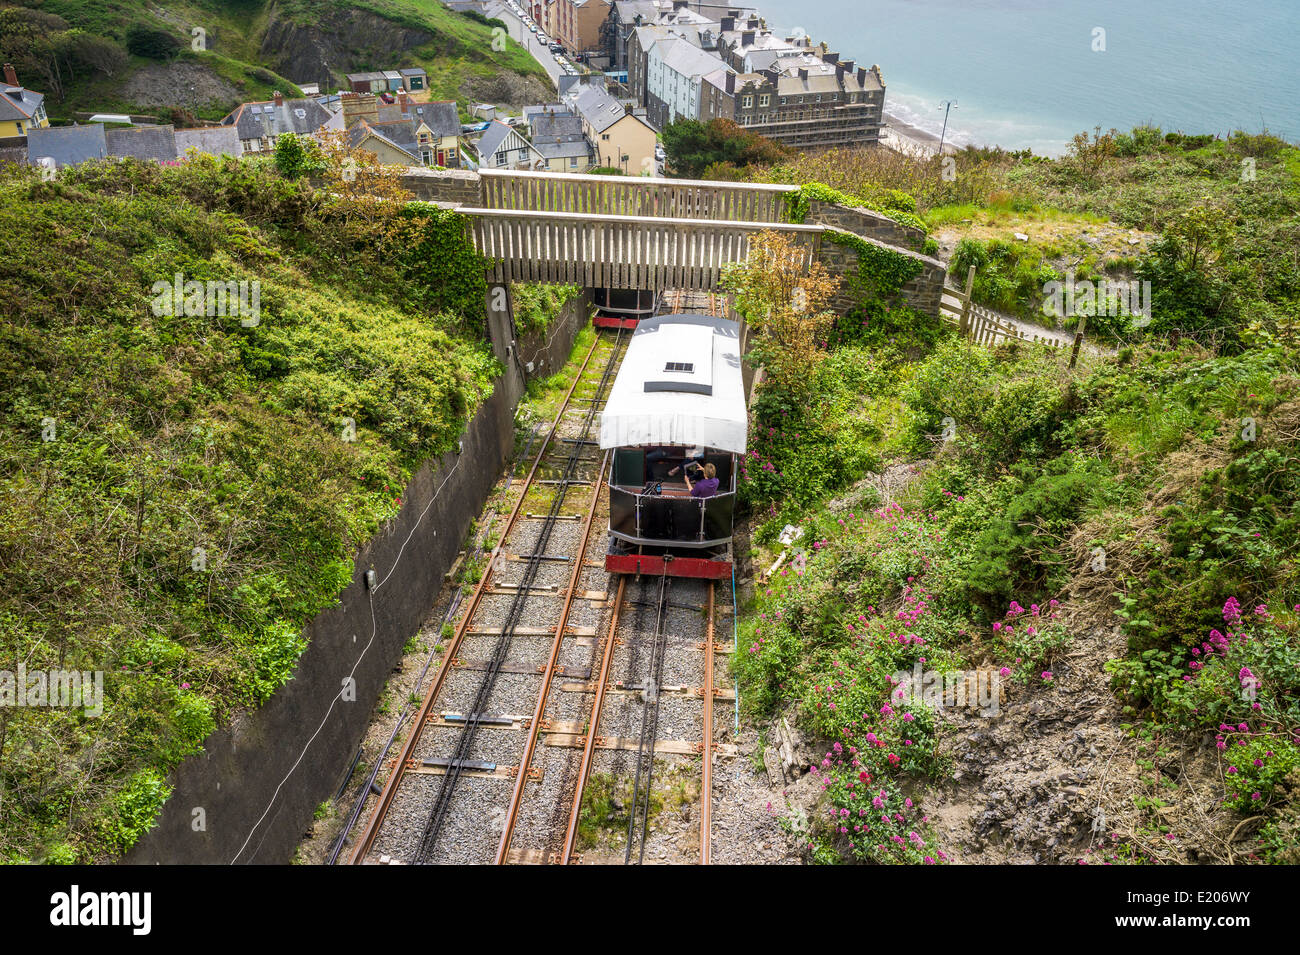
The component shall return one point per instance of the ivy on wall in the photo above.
(899, 205)
(881, 272)
(449, 274)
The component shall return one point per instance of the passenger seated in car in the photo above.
(707, 486)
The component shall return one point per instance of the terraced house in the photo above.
(812, 100)
(423, 134)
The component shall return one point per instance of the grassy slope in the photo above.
(177, 433)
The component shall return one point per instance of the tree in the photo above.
(92, 52)
(692, 147)
(364, 200)
(45, 51)
(784, 300)
(295, 156)
(151, 43)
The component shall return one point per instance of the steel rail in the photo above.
(389, 791)
(706, 783)
(539, 711)
(589, 745)
(649, 723)
(474, 717)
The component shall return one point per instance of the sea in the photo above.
(1033, 73)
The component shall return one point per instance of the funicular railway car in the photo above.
(623, 307)
(676, 421)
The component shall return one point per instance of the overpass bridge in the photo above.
(626, 232)
(636, 232)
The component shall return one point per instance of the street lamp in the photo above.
(945, 107)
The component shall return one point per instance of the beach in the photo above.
(905, 138)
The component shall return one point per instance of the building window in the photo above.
(784, 99)
(501, 159)
(765, 100)
(746, 102)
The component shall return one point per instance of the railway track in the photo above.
(550, 678)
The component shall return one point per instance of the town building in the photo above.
(674, 70)
(620, 139)
(812, 100)
(503, 147)
(429, 132)
(260, 124)
(577, 25)
(212, 140)
(558, 136)
(21, 109)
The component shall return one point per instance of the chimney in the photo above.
(728, 24)
(830, 57)
(279, 98)
(747, 38)
(862, 76)
(731, 83)
(803, 73)
(11, 75)
(848, 66)
(404, 100)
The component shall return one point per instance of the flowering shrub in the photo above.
(866, 816)
(1031, 641)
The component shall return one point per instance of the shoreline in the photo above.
(910, 140)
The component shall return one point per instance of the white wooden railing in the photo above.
(617, 251)
(638, 196)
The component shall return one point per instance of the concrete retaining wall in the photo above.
(258, 782)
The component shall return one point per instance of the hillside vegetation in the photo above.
(1117, 543)
(137, 56)
(184, 489)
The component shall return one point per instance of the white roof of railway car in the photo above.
(653, 403)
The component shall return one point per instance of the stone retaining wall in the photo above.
(921, 293)
(868, 224)
(251, 794)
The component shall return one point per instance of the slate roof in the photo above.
(358, 133)
(597, 107)
(255, 120)
(440, 116)
(400, 132)
(214, 140)
(557, 133)
(19, 103)
(143, 142)
(413, 71)
(67, 145)
(492, 138)
(686, 60)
